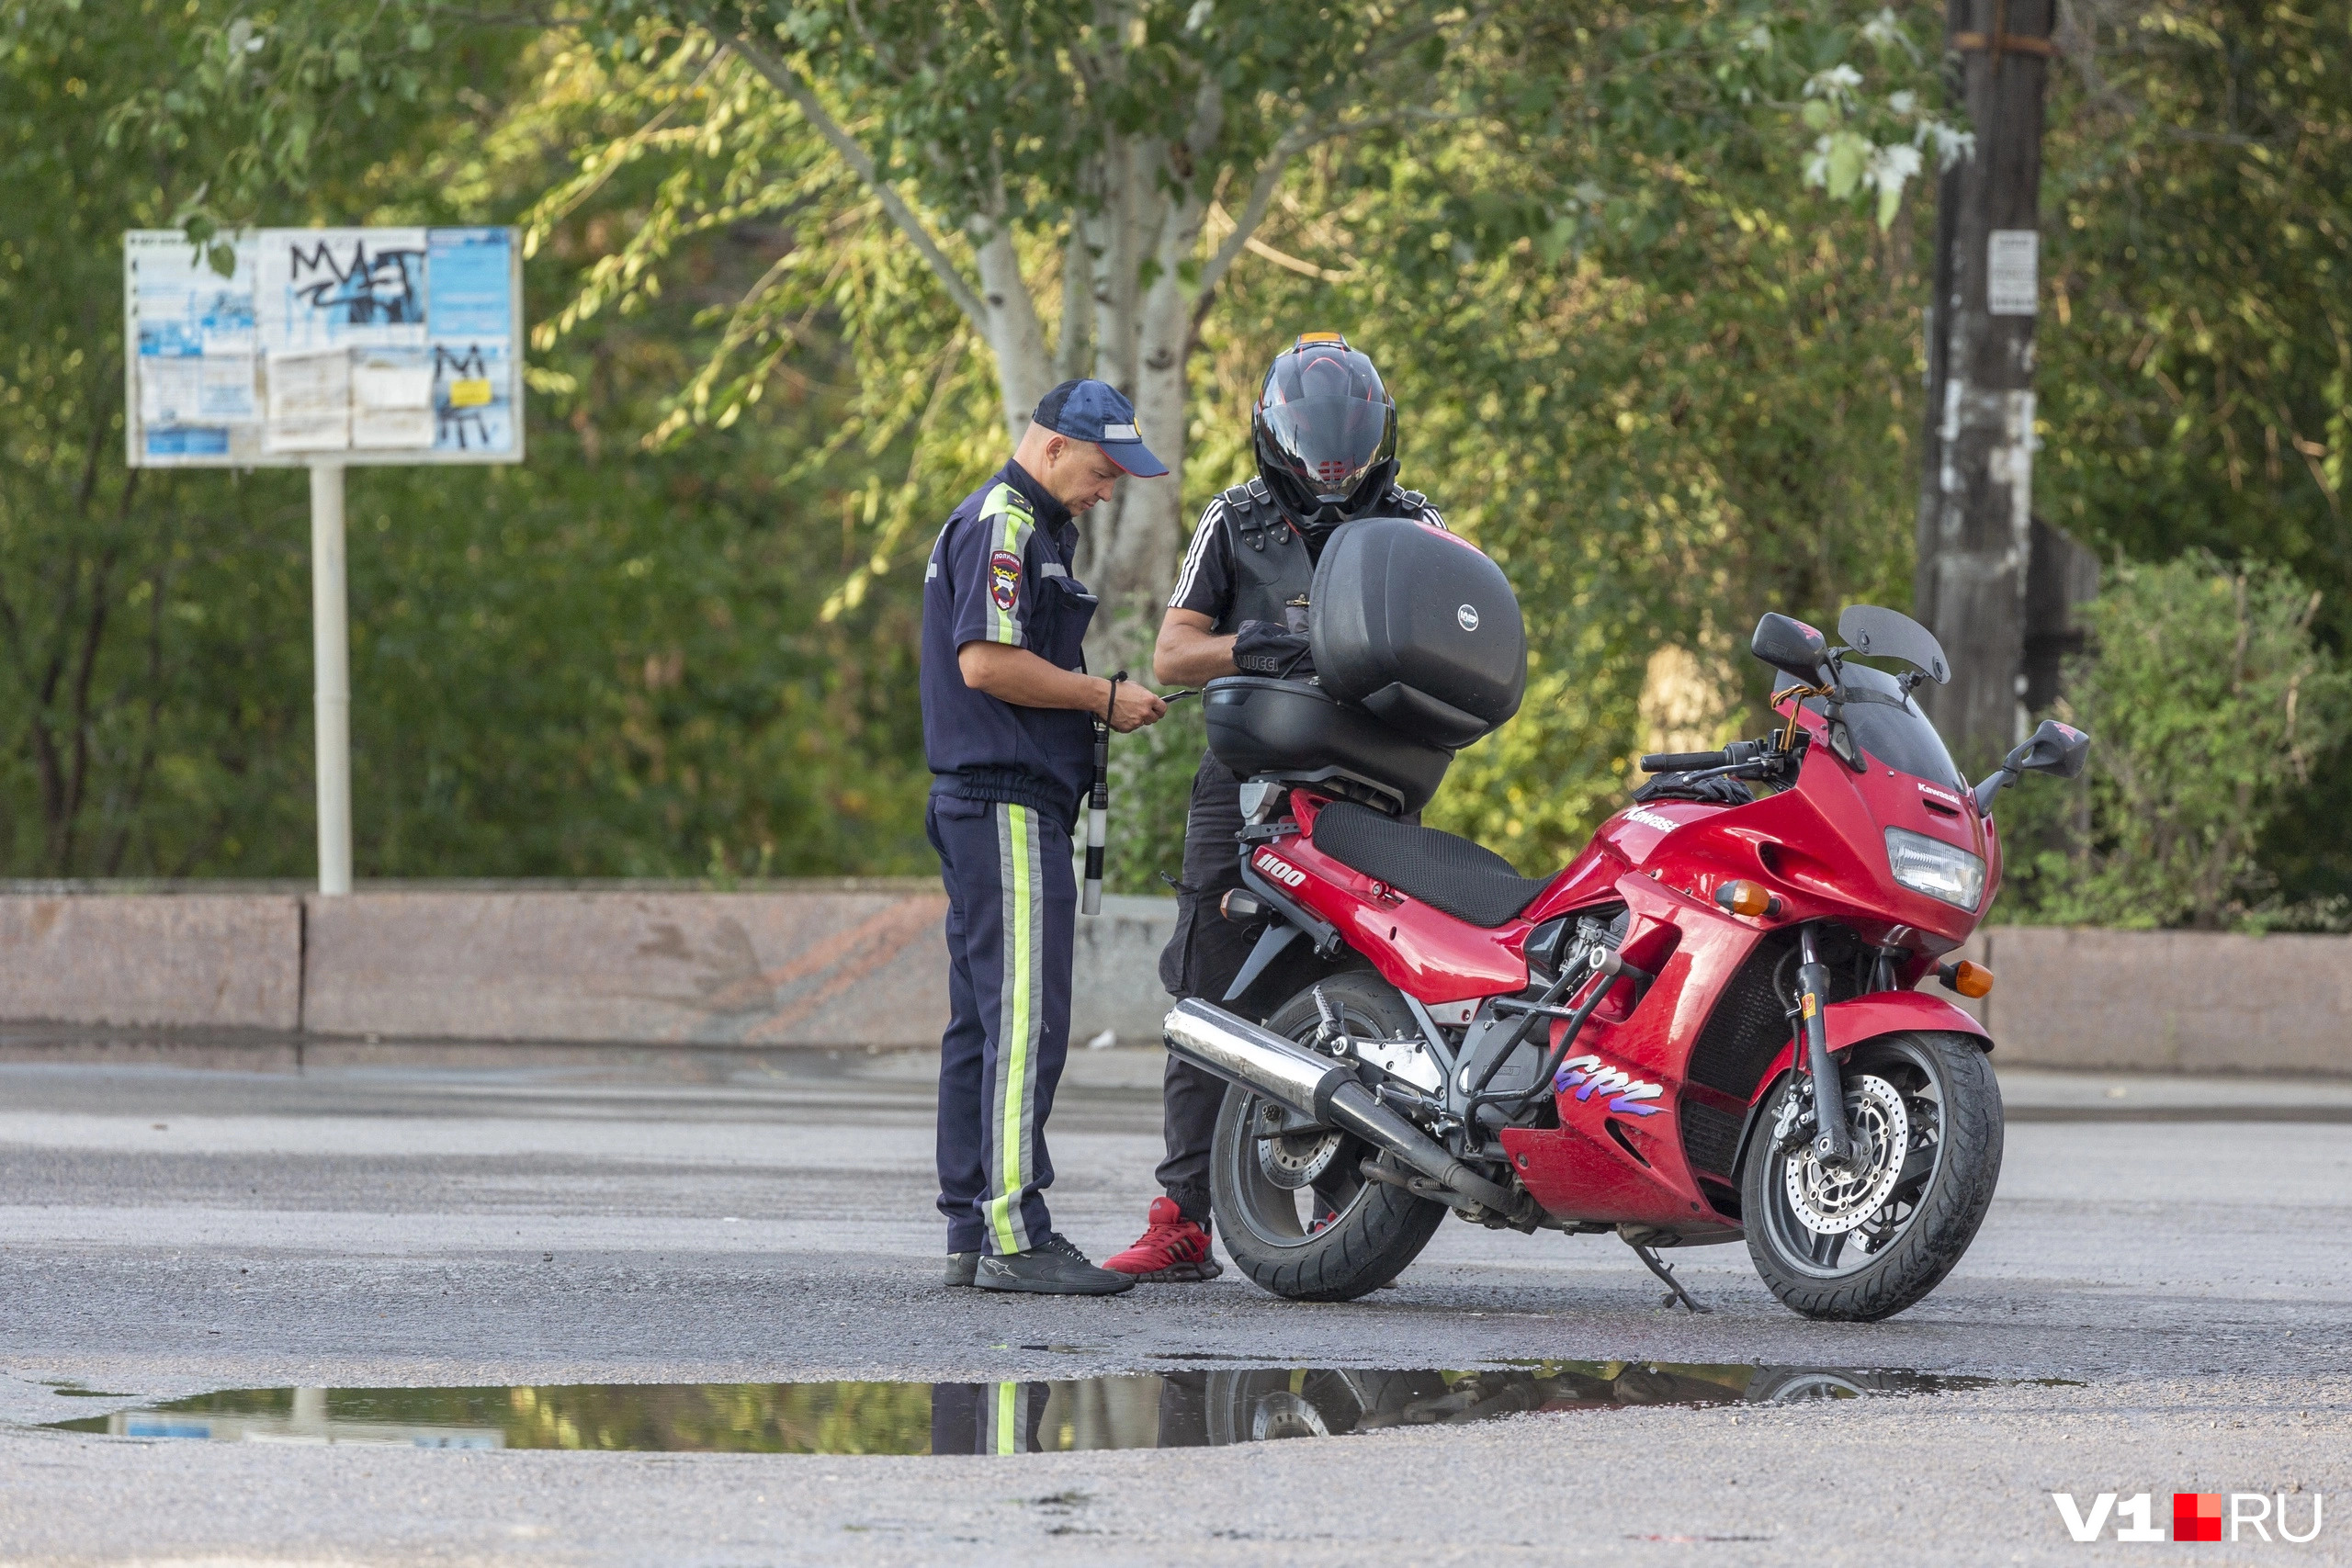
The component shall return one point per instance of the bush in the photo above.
(2207, 700)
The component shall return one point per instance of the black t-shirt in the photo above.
(1205, 584)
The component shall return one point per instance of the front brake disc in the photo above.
(1832, 1199)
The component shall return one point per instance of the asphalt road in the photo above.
(2173, 1248)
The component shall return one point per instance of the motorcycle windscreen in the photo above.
(1887, 724)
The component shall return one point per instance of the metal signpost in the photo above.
(322, 348)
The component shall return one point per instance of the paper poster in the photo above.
(182, 307)
(2012, 261)
(340, 289)
(188, 442)
(310, 401)
(473, 395)
(469, 274)
(391, 398)
(206, 390)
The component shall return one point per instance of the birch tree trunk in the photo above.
(1132, 290)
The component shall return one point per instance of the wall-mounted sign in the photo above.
(2012, 269)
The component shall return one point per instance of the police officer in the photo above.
(1325, 429)
(1008, 716)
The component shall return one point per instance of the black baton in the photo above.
(1098, 806)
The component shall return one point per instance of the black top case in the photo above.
(1416, 627)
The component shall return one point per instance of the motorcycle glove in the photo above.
(1268, 647)
(1681, 787)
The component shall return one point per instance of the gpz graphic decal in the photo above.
(1587, 1074)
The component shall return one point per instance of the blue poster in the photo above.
(188, 441)
(469, 284)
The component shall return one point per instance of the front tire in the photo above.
(1855, 1247)
(1299, 1218)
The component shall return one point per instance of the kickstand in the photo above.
(1665, 1273)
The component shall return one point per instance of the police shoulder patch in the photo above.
(1004, 578)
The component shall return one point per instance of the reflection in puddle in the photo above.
(1168, 1410)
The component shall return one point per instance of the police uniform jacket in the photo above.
(1000, 573)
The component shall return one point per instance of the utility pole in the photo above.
(1975, 527)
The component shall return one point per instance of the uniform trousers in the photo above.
(987, 1418)
(1200, 960)
(1011, 907)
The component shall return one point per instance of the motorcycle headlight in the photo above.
(1931, 867)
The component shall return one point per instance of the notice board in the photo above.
(352, 346)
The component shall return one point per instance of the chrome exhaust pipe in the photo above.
(1325, 1091)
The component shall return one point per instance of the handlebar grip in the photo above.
(1683, 761)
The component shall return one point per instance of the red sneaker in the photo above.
(1173, 1251)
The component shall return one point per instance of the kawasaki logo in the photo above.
(1281, 871)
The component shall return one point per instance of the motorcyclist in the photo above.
(1325, 430)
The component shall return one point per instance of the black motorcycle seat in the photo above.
(1443, 870)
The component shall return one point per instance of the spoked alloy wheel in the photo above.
(1298, 1215)
(1866, 1241)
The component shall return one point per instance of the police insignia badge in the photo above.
(1004, 578)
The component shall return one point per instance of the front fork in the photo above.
(1831, 1141)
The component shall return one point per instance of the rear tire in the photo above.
(1260, 1406)
(1338, 1235)
(1899, 1248)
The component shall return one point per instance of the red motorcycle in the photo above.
(1706, 1027)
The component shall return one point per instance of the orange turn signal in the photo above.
(1968, 979)
(1747, 899)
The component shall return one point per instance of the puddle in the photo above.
(1166, 1410)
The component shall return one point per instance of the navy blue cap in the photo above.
(1093, 411)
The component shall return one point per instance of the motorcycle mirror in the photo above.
(2054, 748)
(1791, 647)
(1881, 633)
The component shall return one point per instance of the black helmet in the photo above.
(1326, 431)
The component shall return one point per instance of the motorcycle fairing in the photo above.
(1638, 1172)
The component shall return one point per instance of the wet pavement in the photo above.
(709, 1280)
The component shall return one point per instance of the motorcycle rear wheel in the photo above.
(1297, 1214)
(1882, 1251)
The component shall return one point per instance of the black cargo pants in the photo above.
(1200, 960)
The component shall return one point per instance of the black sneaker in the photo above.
(961, 1267)
(1051, 1268)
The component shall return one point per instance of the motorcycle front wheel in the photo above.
(1297, 1214)
(1860, 1243)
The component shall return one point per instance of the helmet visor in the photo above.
(1329, 419)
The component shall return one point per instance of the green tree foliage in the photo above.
(2207, 699)
(1637, 359)
(1645, 280)
(2197, 339)
(605, 662)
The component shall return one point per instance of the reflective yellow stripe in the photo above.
(1005, 501)
(1012, 1042)
(1007, 1423)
